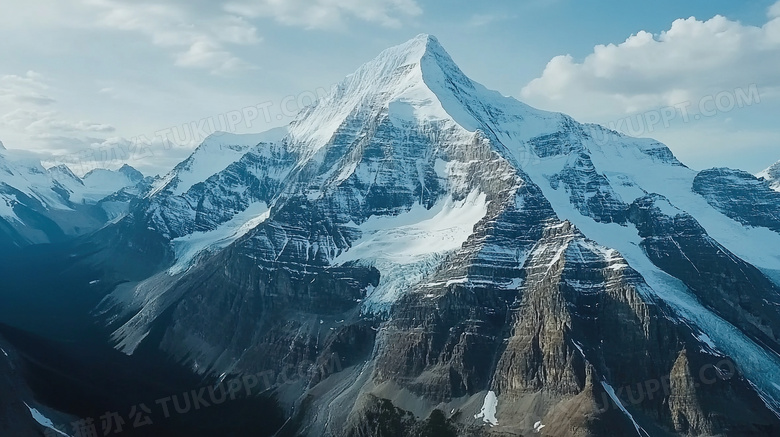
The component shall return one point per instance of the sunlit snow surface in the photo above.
(405, 248)
(622, 159)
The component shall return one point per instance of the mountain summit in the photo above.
(476, 265)
(394, 81)
(772, 174)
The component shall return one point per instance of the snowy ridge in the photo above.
(416, 82)
(216, 153)
(29, 178)
(39, 205)
(758, 364)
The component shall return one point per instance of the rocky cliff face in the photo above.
(676, 243)
(478, 267)
(740, 196)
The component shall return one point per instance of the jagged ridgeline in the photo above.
(477, 267)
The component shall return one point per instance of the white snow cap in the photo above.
(772, 174)
(417, 82)
(396, 75)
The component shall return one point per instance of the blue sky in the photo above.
(83, 81)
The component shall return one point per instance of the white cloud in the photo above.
(41, 132)
(774, 10)
(327, 14)
(44, 122)
(199, 40)
(25, 89)
(206, 54)
(691, 60)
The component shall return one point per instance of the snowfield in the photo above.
(405, 248)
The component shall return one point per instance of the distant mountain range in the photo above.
(39, 205)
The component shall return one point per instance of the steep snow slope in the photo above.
(633, 172)
(188, 247)
(415, 82)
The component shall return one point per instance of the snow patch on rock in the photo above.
(488, 411)
(43, 420)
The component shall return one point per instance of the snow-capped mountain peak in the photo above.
(131, 173)
(468, 244)
(63, 173)
(417, 82)
(772, 175)
(27, 177)
(394, 82)
(101, 183)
